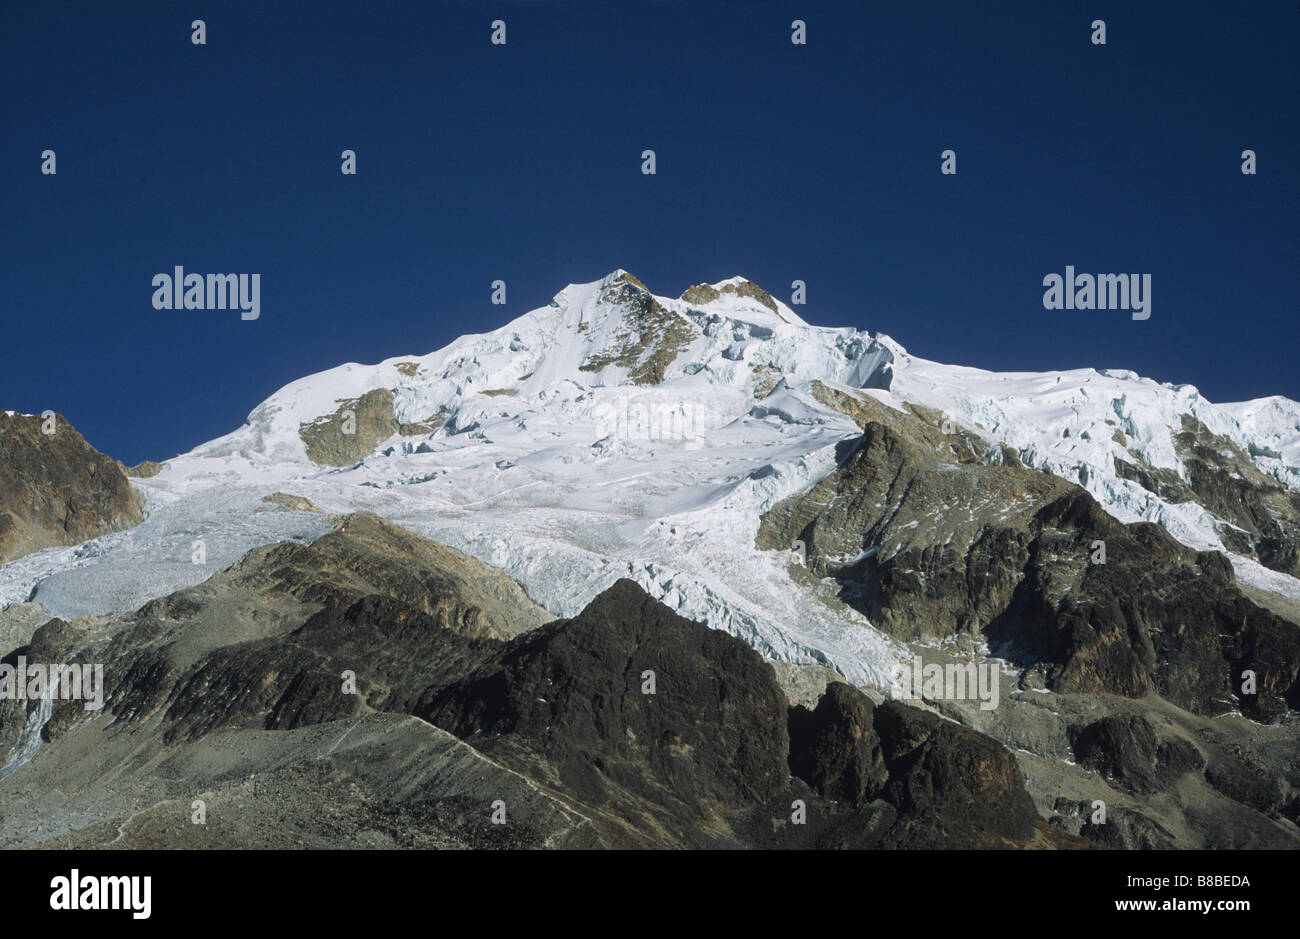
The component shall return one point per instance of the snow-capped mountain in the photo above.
(615, 433)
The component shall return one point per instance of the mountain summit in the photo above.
(617, 431)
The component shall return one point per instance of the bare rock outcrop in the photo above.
(56, 489)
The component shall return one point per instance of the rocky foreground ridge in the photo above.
(372, 688)
(466, 705)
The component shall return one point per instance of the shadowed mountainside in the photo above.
(624, 726)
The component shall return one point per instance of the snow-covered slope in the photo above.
(618, 434)
(1273, 423)
(1077, 423)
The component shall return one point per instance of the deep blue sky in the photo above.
(778, 162)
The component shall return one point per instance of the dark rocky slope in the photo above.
(1257, 516)
(935, 535)
(234, 692)
(1126, 679)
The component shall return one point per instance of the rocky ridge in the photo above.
(55, 488)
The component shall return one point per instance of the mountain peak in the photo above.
(742, 288)
(739, 295)
(627, 277)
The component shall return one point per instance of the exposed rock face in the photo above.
(947, 785)
(563, 704)
(56, 489)
(934, 535)
(951, 783)
(291, 502)
(1257, 515)
(650, 338)
(834, 747)
(701, 294)
(707, 293)
(1125, 828)
(714, 735)
(420, 428)
(155, 653)
(1225, 480)
(144, 470)
(569, 703)
(352, 431)
(406, 694)
(625, 726)
(768, 378)
(1125, 750)
(367, 556)
(750, 289)
(1254, 786)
